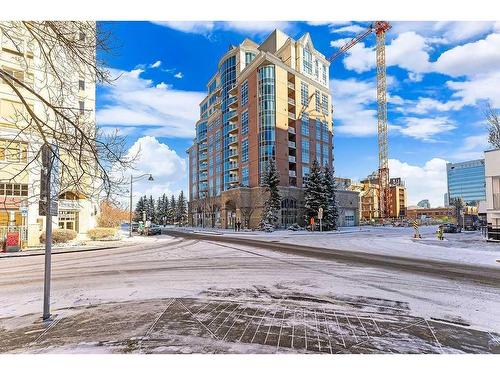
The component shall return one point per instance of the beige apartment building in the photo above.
(492, 182)
(265, 101)
(20, 173)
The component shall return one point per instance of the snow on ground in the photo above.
(465, 247)
(167, 267)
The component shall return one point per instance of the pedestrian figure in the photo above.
(238, 225)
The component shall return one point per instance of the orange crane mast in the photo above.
(379, 28)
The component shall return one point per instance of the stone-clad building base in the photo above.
(246, 205)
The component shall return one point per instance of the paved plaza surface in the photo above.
(174, 295)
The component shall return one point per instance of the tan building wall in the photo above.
(22, 62)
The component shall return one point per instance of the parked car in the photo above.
(295, 227)
(450, 228)
(153, 230)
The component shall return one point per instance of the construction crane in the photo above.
(379, 28)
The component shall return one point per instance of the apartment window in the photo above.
(324, 103)
(324, 73)
(304, 93)
(14, 190)
(217, 164)
(318, 152)
(318, 130)
(244, 151)
(82, 107)
(307, 59)
(13, 151)
(244, 123)
(305, 172)
(305, 151)
(318, 100)
(244, 93)
(245, 181)
(81, 85)
(249, 56)
(316, 69)
(305, 125)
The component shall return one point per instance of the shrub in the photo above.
(60, 235)
(97, 234)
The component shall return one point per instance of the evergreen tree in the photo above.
(330, 214)
(165, 208)
(172, 210)
(139, 208)
(150, 214)
(159, 211)
(181, 209)
(314, 194)
(272, 205)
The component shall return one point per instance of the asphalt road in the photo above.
(170, 295)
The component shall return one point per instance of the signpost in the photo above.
(417, 233)
(320, 217)
(49, 194)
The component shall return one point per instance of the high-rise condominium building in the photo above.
(267, 101)
(466, 181)
(20, 159)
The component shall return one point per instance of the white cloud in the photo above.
(166, 166)
(473, 147)
(408, 51)
(444, 31)
(425, 128)
(136, 101)
(350, 99)
(156, 64)
(244, 27)
(471, 59)
(350, 29)
(422, 182)
(254, 27)
(352, 105)
(178, 75)
(485, 87)
(196, 27)
(425, 105)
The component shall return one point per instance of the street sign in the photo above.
(24, 211)
(320, 213)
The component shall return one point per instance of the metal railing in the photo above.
(22, 230)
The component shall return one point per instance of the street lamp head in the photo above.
(150, 178)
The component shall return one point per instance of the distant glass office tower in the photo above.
(466, 180)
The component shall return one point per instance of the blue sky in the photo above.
(439, 76)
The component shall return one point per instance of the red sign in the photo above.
(12, 241)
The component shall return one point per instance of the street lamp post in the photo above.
(132, 179)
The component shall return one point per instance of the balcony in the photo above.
(291, 115)
(233, 165)
(203, 177)
(291, 144)
(202, 146)
(232, 116)
(232, 128)
(291, 86)
(232, 140)
(233, 102)
(292, 174)
(496, 201)
(203, 166)
(232, 178)
(291, 130)
(233, 90)
(291, 101)
(202, 156)
(232, 152)
(291, 159)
